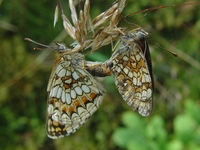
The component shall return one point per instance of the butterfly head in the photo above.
(135, 36)
(61, 47)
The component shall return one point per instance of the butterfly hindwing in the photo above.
(74, 96)
(133, 73)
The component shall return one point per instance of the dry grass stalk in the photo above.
(104, 26)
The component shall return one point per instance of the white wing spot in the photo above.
(54, 91)
(85, 88)
(59, 92)
(73, 94)
(78, 90)
(68, 98)
(75, 75)
(61, 73)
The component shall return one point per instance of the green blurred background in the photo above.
(24, 73)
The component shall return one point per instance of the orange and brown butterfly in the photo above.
(73, 94)
(132, 69)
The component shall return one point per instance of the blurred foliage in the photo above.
(136, 130)
(174, 123)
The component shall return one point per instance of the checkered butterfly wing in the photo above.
(132, 68)
(73, 97)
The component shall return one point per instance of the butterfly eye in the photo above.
(140, 36)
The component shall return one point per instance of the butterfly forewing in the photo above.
(133, 73)
(74, 96)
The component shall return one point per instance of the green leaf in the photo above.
(133, 120)
(175, 145)
(184, 127)
(192, 109)
(130, 139)
(156, 132)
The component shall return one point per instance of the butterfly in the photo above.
(73, 94)
(132, 69)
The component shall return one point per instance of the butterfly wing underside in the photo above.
(73, 97)
(133, 76)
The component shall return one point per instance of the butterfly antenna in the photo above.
(43, 45)
(173, 53)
